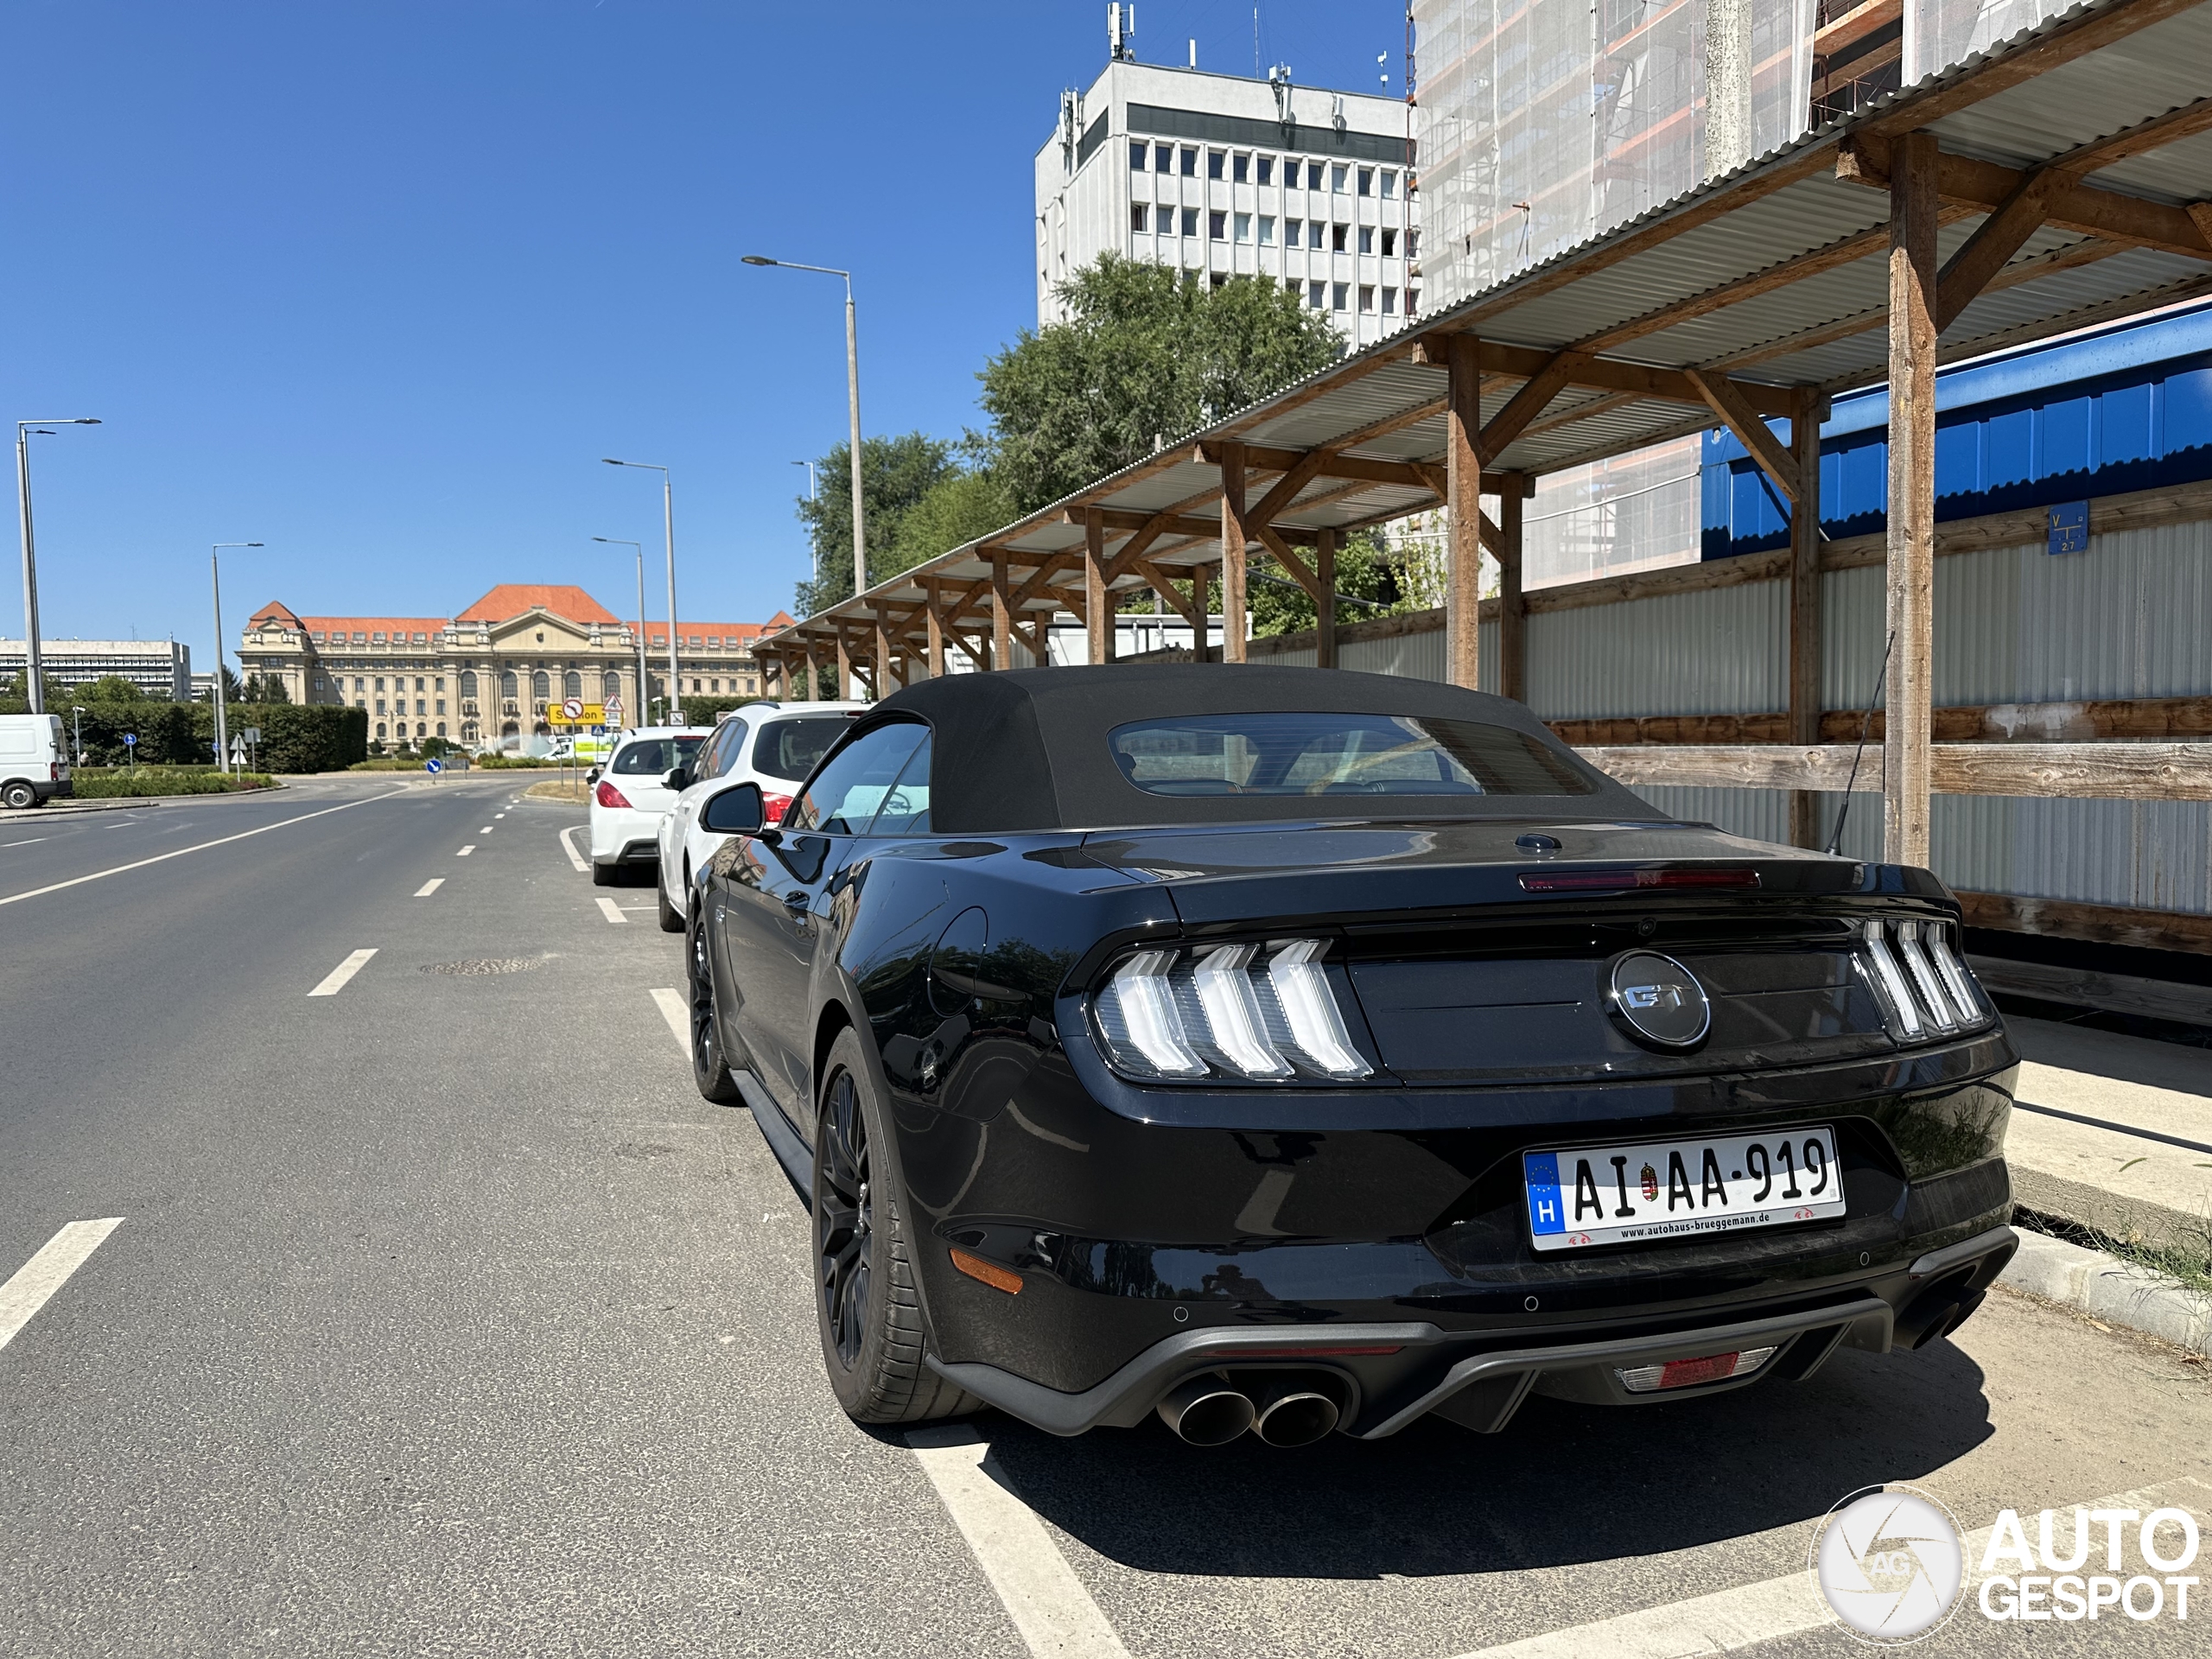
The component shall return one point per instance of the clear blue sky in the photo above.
(377, 282)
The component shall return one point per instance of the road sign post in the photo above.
(130, 745)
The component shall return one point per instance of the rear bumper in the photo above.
(1400, 1371)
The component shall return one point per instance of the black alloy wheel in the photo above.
(873, 1336)
(710, 1066)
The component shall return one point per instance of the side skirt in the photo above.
(776, 1129)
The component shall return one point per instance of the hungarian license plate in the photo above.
(1677, 1189)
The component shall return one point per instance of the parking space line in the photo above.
(430, 886)
(569, 847)
(672, 1009)
(1048, 1604)
(612, 911)
(467, 850)
(28, 1288)
(334, 980)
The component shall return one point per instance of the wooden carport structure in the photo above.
(2057, 182)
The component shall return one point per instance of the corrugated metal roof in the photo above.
(2080, 78)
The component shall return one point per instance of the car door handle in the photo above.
(796, 901)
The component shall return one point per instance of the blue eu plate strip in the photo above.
(1547, 1214)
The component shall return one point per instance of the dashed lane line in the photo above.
(498, 815)
(486, 831)
(569, 848)
(1728, 1621)
(467, 850)
(430, 886)
(334, 980)
(31, 1285)
(33, 841)
(198, 847)
(612, 911)
(673, 1010)
(1048, 1604)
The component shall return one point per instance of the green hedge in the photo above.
(705, 711)
(295, 737)
(101, 783)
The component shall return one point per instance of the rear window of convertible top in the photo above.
(1337, 754)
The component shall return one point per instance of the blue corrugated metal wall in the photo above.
(2119, 409)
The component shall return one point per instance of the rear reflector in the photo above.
(1633, 880)
(1690, 1373)
(989, 1273)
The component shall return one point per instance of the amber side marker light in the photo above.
(1634, 880)
(996, 1277)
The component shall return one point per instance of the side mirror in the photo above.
(676, 778)
(592, 776)
(732, 812)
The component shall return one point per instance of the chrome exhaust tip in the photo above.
(1296, 1412)
(1207, 1410)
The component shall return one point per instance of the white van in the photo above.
(34, 766)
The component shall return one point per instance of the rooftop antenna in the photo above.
(1121, 30)
(1279, 80)
(1382, 58)
(1336, 111)
(1256, 41)
(1194, 52)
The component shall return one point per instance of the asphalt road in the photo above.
(443, 1317)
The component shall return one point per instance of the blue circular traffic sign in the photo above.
(434, 765)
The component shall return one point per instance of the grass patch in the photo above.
(90, 784)
(560, 789)
(2186, 1256)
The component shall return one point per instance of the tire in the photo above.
(873, 1336)
(710, 1070)
(18, 797)
(670, 920)
(604, 875)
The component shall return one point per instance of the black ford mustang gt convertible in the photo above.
(1296, 1050)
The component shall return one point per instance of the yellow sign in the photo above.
(573, 712)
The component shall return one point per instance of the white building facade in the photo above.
(159, 668)
(1221, 176)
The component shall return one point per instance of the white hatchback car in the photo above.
(633, 797)
(774, 745)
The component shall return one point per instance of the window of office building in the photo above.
(1389, 184)
(1215, 160)
(507, 679)
(1337, 237)
(1412, 242)
(572, 684)
(1190, 221)
(1137, 152)
(1366, 181)
(1290, 286)
(1216, 226)
(1336, 178)
(1140, 217)
(1163, 158)
(541, 685)
(1240, 168)
(1220, 279)
(441, 725)
(1389, 301)
(1341, 294)
(1293, 232)
(1366, 298)
(469, 680)
(1313, 175)
(1243, 227)
(1316, 295)
(380, 723)
(1190, 163)
(1367, 238)
(1267, 169)
(1390, 243)
(1412, 302)
(1267, 229)
(1314, 231)
(441, 701)
(613, 687)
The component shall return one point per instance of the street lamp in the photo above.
(668, 528)
(34, 668)
(616, 540)
(215, 577)
(852, 399)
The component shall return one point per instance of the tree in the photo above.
(111, 688)
(1144, 358)
(960, 507)
(896, 473)
(1365, 570)
(16, 696)
(263, 688)
(233, 691)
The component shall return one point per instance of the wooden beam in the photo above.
(1332, 465)
(1187, 525)
(1805, 619)
(1290, 562)
(1284, 490)
(1097, 600)
(1463, 513)
(935, 618)
(1727, 402)
(1604, 374)
(1512, 602)
(845, 685)
(1191, 609)
(1991, 246)
(2132, 771)
(1530, 402)
(2048, 981)
(2065, 918)
(1001, 651)
(2155, 134)
(1915, 164)
(1325, 601)
(1235, 537)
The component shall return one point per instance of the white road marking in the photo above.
(334, 980)
(38, 1278)
(673, 1010)
(201, 847)
(1729, 1620)
(498, 815)
(569, 848)
(486, 831)
(430, 886)
(612, 911)
(467, 850)
(1048, 1604)
(33, 841)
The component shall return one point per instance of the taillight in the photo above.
(1925, 990)
(772, 808)
(1690, 1373)
(1247, 1013)
(1635, 880)
(607, 795)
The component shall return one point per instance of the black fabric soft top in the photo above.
(1028, 749)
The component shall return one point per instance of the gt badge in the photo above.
(1659, 999)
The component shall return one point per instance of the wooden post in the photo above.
(1235, 538)
(848, 688)
(1097, 602)
(1002, 618)
(1512, 602)
(883, 672)
(1324, 605)
(1906, 763)
(931, 607)
(1806, 412)
(1463, 512)
(811, 691)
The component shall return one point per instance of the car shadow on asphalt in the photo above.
(1563, 1483)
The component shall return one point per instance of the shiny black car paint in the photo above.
(1140, 1213)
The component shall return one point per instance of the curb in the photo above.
(2105, 1288)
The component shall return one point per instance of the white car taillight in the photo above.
(1246, 1011)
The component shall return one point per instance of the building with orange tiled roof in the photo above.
(487, 673)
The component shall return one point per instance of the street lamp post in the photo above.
(668, 527)
(215, 578)
(853, 403)
(34, 666)
(638, 547)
